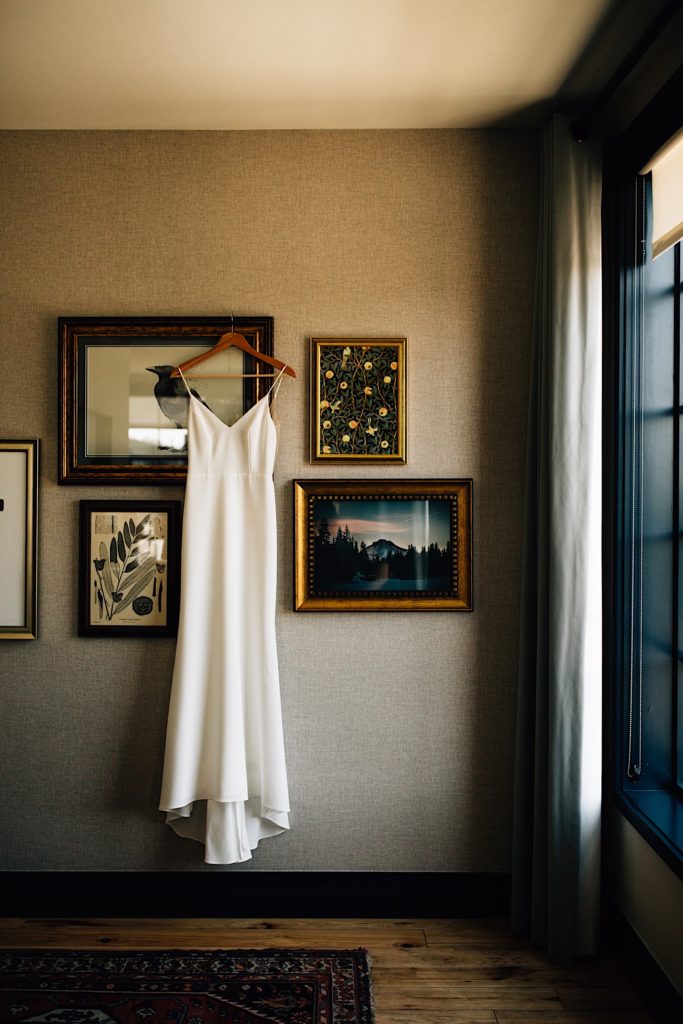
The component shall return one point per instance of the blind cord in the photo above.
(634, 767)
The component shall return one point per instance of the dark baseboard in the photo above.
(651, 984)
(254, 894)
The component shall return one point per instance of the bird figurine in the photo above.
(171, 395)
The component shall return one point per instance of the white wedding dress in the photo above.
(225, 780)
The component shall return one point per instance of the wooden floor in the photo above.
(424, 972)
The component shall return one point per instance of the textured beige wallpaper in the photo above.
(399, 727)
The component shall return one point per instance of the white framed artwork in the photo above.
(18, 539)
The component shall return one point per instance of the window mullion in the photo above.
(634, 753)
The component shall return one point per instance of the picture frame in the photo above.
(383, 545)
(122, 419)
(358, 400)
(19, 539)
(129, 568)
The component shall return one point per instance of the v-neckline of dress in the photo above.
(226, 426)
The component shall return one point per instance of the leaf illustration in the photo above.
(126, 534)
(103, 550)
(133, 564)
(107, 580)
(128, 581)
(142, 527)
(112, 552)
(134, 591)
(131, 527)
(121, 547)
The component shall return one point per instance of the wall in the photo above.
(648, 893)
(399, 727)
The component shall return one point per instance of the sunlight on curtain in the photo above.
(556, 845)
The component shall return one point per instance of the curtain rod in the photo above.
(580, 127)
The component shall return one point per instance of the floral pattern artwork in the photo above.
(359, 401)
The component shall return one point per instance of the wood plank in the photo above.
(210, 925)
(465, 958)
(573, 1017)
(480, 997)
(127, 934)
(598, 997)
(435, 1017)
(441, 931)
(454, 987)
(521, 974)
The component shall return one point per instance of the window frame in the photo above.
(656, 813)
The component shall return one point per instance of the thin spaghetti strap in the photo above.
(187, 386)
(275, 387)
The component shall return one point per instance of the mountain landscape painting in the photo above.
(393, 545)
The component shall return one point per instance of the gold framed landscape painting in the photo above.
(358, 400)
(383, 545)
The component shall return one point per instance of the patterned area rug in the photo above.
(236, 987)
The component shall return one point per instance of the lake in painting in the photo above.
(390, 545)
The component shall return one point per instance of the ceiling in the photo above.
(220, 64)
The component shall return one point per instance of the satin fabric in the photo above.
(225, 780)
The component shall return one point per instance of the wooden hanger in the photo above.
(229, 340)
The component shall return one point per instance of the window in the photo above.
(646, 535)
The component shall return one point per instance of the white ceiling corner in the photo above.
(220, 64)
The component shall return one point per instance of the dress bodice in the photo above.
(247, 448)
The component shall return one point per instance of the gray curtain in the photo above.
(556, 835)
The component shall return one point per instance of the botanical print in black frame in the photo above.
(129, 568)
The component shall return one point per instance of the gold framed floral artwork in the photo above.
(358, 399)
